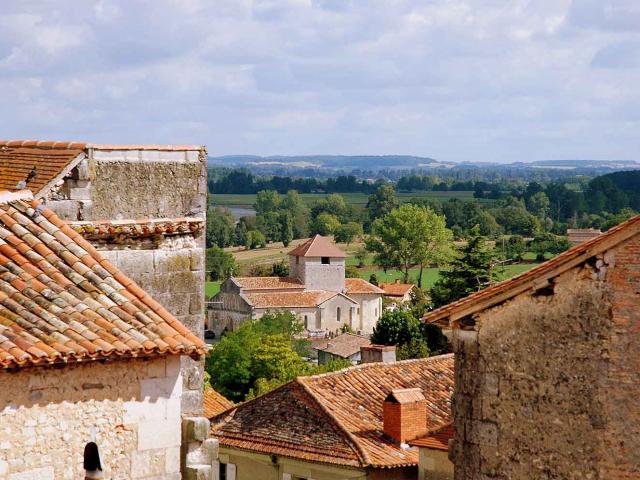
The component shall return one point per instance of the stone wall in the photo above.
(129, 408)
(318, 276)
(370, 310)
(434, 465)
(547, 384)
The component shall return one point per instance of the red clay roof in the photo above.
(344, 345)
(396, 289)
(308, 299)
(437, 439)
(534, 278)
(62, 301)
(40, 162)
(97, 230)
(215, 403)
(358, 285)
(317, 246)
(336, 417)
(268, 283)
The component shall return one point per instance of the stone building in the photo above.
(90, 362)
(350, 424)
(142, 206)
(316, 291)
(346, 346)
(433, 462)
(397, 293)
(548, 367)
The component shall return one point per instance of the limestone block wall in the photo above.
(329, 313)
(369, 313)
(129, 408)
(171, 270)
(318, 276)
(434, 465)
(547, 385)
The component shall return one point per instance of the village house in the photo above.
(345, 347)
(434, 463)
(576, 236)
(397, 293)
(353, 423)
(316, 291)
(90, 362)
(548, 367)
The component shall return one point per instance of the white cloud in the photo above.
(461, 80)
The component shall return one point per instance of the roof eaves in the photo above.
(63, 173)
(531, 280)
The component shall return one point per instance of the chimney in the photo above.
(378, 353)
(404, 413)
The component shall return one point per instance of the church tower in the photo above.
(319, 264)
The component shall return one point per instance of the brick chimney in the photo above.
(378, 353)
(404, 414)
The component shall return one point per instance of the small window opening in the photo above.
(92, 465)
(338, 314)
(306, 322)
(297, 260)
(222, 471)
(325, 260)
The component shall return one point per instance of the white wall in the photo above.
(318, 276)
(370, 311)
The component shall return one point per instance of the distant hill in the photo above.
(342, 162)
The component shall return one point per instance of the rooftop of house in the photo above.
(535, 279)
(344, 345)
(111, 229)
(268, 283)
(306, 299)
(38, 165)
(396, 289)
(318, 246)
(336, 418)
(360, 286)
(61, 301)
(437, 439)
(215, 403)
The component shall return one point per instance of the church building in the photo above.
(316, 291)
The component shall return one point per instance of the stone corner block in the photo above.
(196, 428)
(197, 472)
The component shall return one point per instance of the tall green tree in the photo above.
(325, 224)
(266, 201)
(348, 232)
(220, 227)
(410, 236)
(381, 202)
(293, 204)
(220, 265)
(470, 271)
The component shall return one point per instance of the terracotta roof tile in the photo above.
(317, 246)
(58, 304)
(215, 403)
(437, 439)
(529, 280)
(311, 298)
(344, 345)
(268, 283)
(37, 163)
(336, 418)
(396, 289)
(106, 230)
(358, 285)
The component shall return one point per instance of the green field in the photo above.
(237, 200)
(211, 288)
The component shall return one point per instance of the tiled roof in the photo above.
(40, 164)
(100, 230)
(344, 345)
(311, 298)
(579, 235)
(62, 301)
(406, 395)
(317, 246)
(396, 289)
(268, 283)
(437, 439)
(337, 417)
(358, 285)
(538, 277)
(215, 403)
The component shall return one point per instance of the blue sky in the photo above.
(485, 80)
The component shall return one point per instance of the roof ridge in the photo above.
(364, 366)
(44, 144)
(362, 455)
(578, 254)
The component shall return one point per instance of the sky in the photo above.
(484, 80)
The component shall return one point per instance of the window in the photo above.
(297, 260)
(224, 471)
(376, 314)
(306, 322)
(91, 463)
(325, 260)
(338, 314)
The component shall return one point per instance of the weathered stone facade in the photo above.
(129, 408)
(547, 382)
